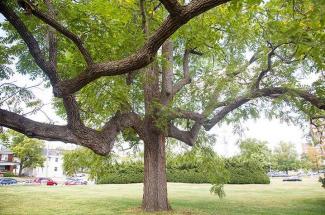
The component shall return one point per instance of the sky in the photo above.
(272, 131)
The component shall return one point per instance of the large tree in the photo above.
(153, 70)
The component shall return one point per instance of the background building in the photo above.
(7, 161)
(53, 165)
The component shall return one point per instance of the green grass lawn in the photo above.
(279, 197)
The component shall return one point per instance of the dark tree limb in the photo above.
(188, 137)
(69, 101)
(264, 71)
(30, 41)
(224, 111)
(121, 121)
(270, 55)
(186, 72)
(167, 71)
(172, 6)
(53, 44)
(73, 113)
(145, 29)
(100, 142)
(27, 5)
(142, 57)
(183, 114)
(36, 129)
(136, 61)
(266, 92)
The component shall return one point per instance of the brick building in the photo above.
(7, 160)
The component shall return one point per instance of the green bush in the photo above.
(246, 172)
(179, 176)
(123, 173)
(8, 174)
(191, 168)
(186, 176)
(243, 176)
(239, 173)
(120, 178)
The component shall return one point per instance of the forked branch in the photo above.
(27, 5)
(188, 137)
(30, 41)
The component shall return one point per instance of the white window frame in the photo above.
(4, 157)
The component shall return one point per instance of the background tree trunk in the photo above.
(155, 180)
(20, 169)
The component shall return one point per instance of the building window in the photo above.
(56, 159)
(49, 158)
(55, 169)
(4, 157)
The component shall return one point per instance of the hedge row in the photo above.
(238, 175)
(172, 176)
(8, 174)
(245, 176)
(246, 172)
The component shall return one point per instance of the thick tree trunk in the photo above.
(20, 169)
(155, 181)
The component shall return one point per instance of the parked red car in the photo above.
(43, 180)
(51, 183)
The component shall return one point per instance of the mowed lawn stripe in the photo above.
(306, 197)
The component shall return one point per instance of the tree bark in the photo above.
(155, 180)
(20, 169)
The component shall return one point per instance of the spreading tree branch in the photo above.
(138, 60)
(266, 92)
(183, 114)
(172, 6)
(36, 129)
(143, 56)
(266, 70)
(52, 37)
(30, 41)
(270, 55)
(48, 19)
(100, 142)
(186, 72)
(188, 137)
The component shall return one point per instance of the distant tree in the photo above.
(85, 160)
(29, 151)
(314, 155)
(286, 157)
(253, 149)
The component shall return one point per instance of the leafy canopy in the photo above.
(227, 36)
